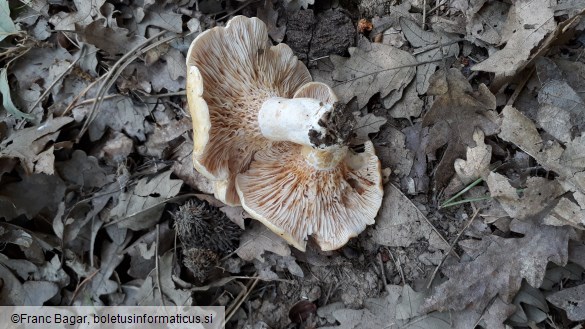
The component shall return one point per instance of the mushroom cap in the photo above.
(295, 199)
(231, 71)
(295, 195)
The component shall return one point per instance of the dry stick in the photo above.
(162, 298)
(520, 87)
(451, 248)
(398, 265)
(382, 269)
(424, 18)
(240, 299)
(81, 94)
(86, 280)
(106, 84)
(40, 99)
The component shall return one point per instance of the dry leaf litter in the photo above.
(475, 109)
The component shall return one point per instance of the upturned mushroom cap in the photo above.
(231, 71)
(295, 199)
(297, 191)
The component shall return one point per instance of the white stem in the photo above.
(294, 120)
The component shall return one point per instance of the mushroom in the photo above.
(260, 133)
(300, 190)
(231, 72)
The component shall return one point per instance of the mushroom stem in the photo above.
(297, 120)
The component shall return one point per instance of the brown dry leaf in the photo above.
(455, 114)
(119, 113)
(366, 125)
(568, 162)
(29, 293)
(493, 317)
(158, 15)
(83, 171)
(29, 143)
(151, 293)
(400, 224)
(506, 262)
(379, 69)
(86, 11)
(142, 205)
(410, 105)
(32, 195)
(427, 48)
(538, 194)
(397, 310)
(488, 23)
(159, 142)
(142, 253)
(572, 300)
(478, 160)
(529, 22)
(257, 240)
(183, 168)
(114, 41)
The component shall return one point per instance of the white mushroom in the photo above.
(261, 133)
(298, 190)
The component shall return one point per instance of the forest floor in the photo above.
(476, 110)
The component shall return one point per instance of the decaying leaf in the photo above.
(380, 69)
(29, 143)
(538, 194)
(141, 206)
(30, 196)
(400, 224)
(269, 16)
(568, 162)
(365, 125)
(5, 89)
(506, 262)
(478, 160)
(397, 310)
(167, 293)
(529, 21)
(430, 46)
(29, 293)
(454, 116)
(257, 239)
(572, 300)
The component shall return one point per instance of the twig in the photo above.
(451, 246)
(240, 300)
(424, 18)
(398, 265)
(108, 81)
(157, 267)
(520, 87)
(382, 269)
(86, 280)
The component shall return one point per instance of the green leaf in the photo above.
(5, 92)
(7, 26)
